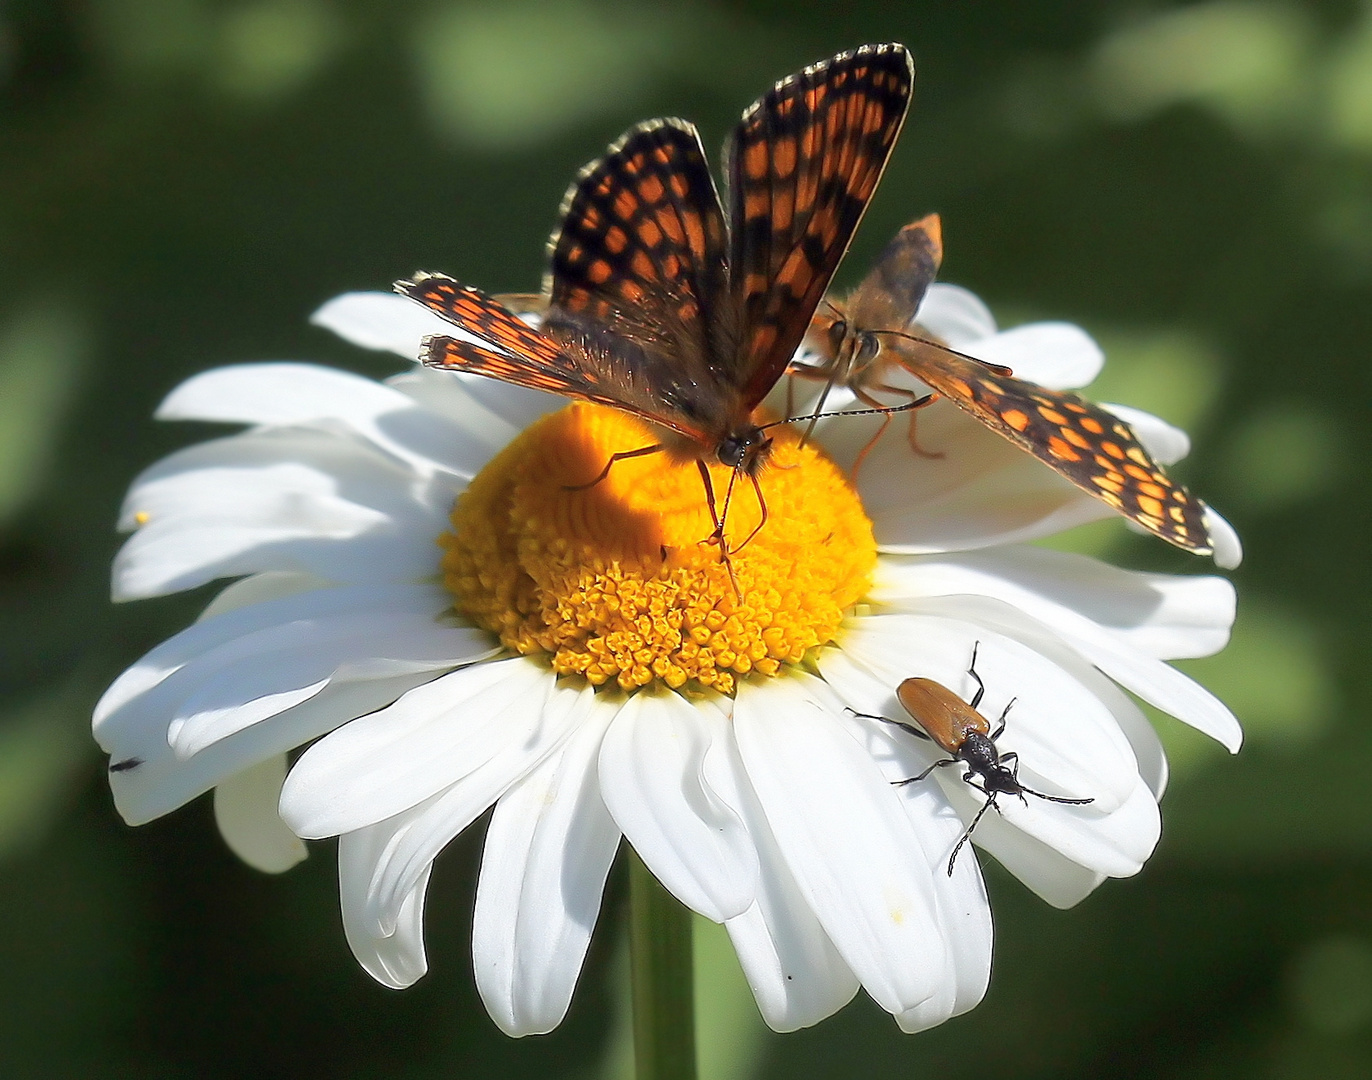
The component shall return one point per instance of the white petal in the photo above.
(982, 491)
(1168, 444)
(955, 314)
(273, 585)
(383, 764)
(1143, 738)
(455, 393)
(152, 781)
(665, 770)
(964, 912)
(852, 850)
(1049, 874)
(1164, 615)
(1057, 355)
(293, 394)
(383, 321)
(216, 631)
(1115, 844)
(548, 852)
(279, 499)
(209, 683)
(1228, 550)
(261, 674)
(395, 959)
(903, 582)
(245, 811)
(796, 974)
(419, 835)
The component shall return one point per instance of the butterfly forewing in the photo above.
(890, 295)
(1083, 442)
(642, 240)
(802, 166)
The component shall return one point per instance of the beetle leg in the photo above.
(1003, 713)
(967, 835)
(972, 671)
(926, 772)
(899, 723)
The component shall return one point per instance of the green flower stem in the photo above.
(663, 985)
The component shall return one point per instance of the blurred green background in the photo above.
(183, 181)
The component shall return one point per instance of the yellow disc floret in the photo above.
(621, 580)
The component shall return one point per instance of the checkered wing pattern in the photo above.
(802, 165)
(1091, 447)
(641, 245)
(582, 365)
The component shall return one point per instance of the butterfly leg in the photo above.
(862, 454)
(877, 406)
(717, 537)
(916, 403)
(762, 505)
(623, 455)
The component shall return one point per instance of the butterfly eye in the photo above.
(868, 347)
(838, 330)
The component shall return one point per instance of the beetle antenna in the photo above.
(1056, 798)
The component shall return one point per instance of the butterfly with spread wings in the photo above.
(660, 305)
(863, 338)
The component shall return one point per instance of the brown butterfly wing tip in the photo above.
(432, 352)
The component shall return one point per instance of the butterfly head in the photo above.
(745, 449)
(850, 348)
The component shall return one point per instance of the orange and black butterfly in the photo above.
(661, 305)
(864, 337)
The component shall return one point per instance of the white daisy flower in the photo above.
(428, 607)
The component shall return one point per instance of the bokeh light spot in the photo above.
(1246, 61)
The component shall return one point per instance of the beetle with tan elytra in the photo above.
(956, 726)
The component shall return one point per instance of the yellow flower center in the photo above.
(620, 580)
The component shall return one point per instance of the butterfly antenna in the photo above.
(819, 406)
(885, 410)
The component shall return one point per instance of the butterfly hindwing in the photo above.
(516, 352)
(591, 364)
(802, 165)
